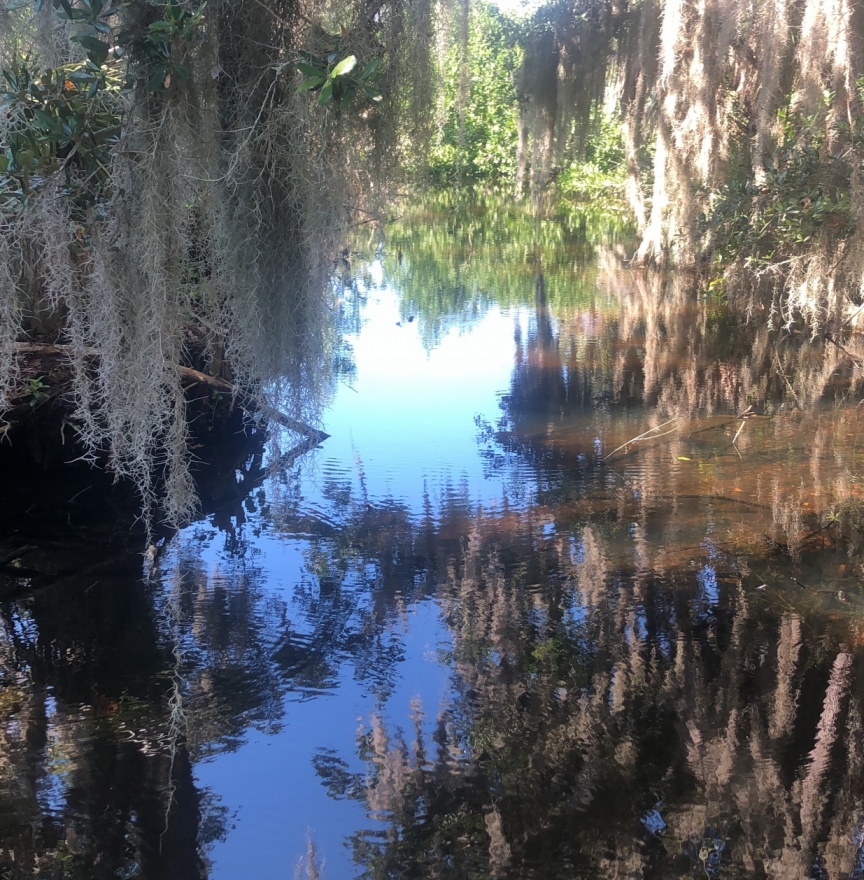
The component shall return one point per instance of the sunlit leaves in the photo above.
(478, 138)
(344, 67)
(334, 80)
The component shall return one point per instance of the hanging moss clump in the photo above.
(170, 201)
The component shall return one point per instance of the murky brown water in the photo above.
(483, 631)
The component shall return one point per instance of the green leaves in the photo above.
(371, 69)
(345, 66)
(65, 121)
(61, 121)
(313, 83)
(155, 49)
(90, 17)
(802, 198)
(480, 123)
(159, 44)
(326, 92)
(97, 51)
(332, 79)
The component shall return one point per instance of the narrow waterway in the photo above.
(543, 605)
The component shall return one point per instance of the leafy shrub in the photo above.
(63, 120)
(804, 193)
(600, 173)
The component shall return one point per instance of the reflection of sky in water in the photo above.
(52, 787)
(614, 659)
(408, 420)
(708, 583)
(269, 784)
(405, 424)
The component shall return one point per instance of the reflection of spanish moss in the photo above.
(617, 723)
(177, 717)
(87, 712)
(590, 380)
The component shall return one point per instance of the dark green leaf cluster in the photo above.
(63, 120)
(153, 40)
(68, 119)
(332, 76)
(804, 194)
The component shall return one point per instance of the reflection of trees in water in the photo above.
(95, 775)
(616, 722)
(85, 766)
(650, 341)
(586, 380)
(589, 689)
(90, 751)
(451, 262)
(618, 704)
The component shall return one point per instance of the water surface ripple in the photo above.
(543, 606)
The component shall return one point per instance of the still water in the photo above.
(482, 631)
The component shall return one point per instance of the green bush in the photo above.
(600, 173)
(62, 120)
(804, 193)
(479, 130)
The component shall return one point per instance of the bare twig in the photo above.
(642, 437)
(252, 406)
(852, 317)
(785, 379)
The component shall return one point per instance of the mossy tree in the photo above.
(169, 198)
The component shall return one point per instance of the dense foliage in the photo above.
(488, 118)
(734, 133)
(174, 180)
(478, 128)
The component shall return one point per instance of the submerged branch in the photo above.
(785, 378)
(251, 406)
(641, 437)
